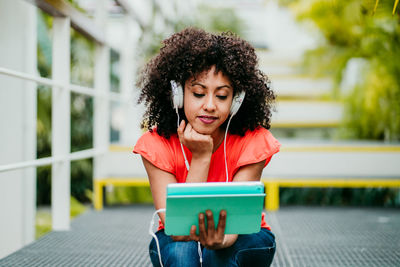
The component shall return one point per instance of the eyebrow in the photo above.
(202, 85)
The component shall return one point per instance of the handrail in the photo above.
(22, 75)
(82, 154)
(119, 97)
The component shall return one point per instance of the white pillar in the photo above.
(132, 113)
(101, 102)
(61, 129)
(101, 108)
(18, 125)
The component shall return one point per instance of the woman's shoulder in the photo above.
(260, 138)
(157, 149)
(254, 146)
(258, 133)
(151, 139)
(153, 136)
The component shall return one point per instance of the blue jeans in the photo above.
(249, 250)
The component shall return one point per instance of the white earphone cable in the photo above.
(200, 253)
(226, 164)
(154, 235)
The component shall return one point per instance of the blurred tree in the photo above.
(219, 20)
(351, 30)
(206, 17)
(369, 33)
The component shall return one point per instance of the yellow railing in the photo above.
(272, 186)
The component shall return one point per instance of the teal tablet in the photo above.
(243, 202)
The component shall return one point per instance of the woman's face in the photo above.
(207, 101)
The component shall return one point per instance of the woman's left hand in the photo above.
(210, 237)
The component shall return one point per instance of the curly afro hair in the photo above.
(189, 53)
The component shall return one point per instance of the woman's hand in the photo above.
(211, 237)
(200, 145)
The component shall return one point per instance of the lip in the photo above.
(207, 119)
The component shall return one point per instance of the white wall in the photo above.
(17, 125)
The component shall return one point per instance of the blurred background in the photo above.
(334, 66)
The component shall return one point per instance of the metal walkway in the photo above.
(306, 236)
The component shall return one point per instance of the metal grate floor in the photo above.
(330, 236)
(114, 237)
(306, 236)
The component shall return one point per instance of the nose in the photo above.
(209, 104)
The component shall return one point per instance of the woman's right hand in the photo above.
(200, 145)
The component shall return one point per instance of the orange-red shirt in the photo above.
(166, 154)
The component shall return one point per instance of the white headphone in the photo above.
(177, 98)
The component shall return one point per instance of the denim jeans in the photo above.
(249, 250)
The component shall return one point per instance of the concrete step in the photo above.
(275, 63)
(321, 159)
(288, 82)
(296, 159)
(302, 113)
(302, 88)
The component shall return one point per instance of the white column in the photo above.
(18, 125)
(101, 102)
(101, 108)
(30, 103)
(61, 132)
(132, 112)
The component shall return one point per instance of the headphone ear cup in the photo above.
(177, 95)
(237, 102)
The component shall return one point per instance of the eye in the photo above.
(198, 95)
(222, 97)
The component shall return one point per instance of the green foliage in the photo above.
(81, 122)
(82, 59)
(76, 208)
(42, 223)
(43, 185)
(219, 20)
(373, 107)
(350, 29)
(128, 195)
(380, 197)
(81, 179)
(44, 57)
(114, 71)
(206, 17)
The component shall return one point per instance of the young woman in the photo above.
(212, 69)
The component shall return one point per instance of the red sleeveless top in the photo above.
(166, 154)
